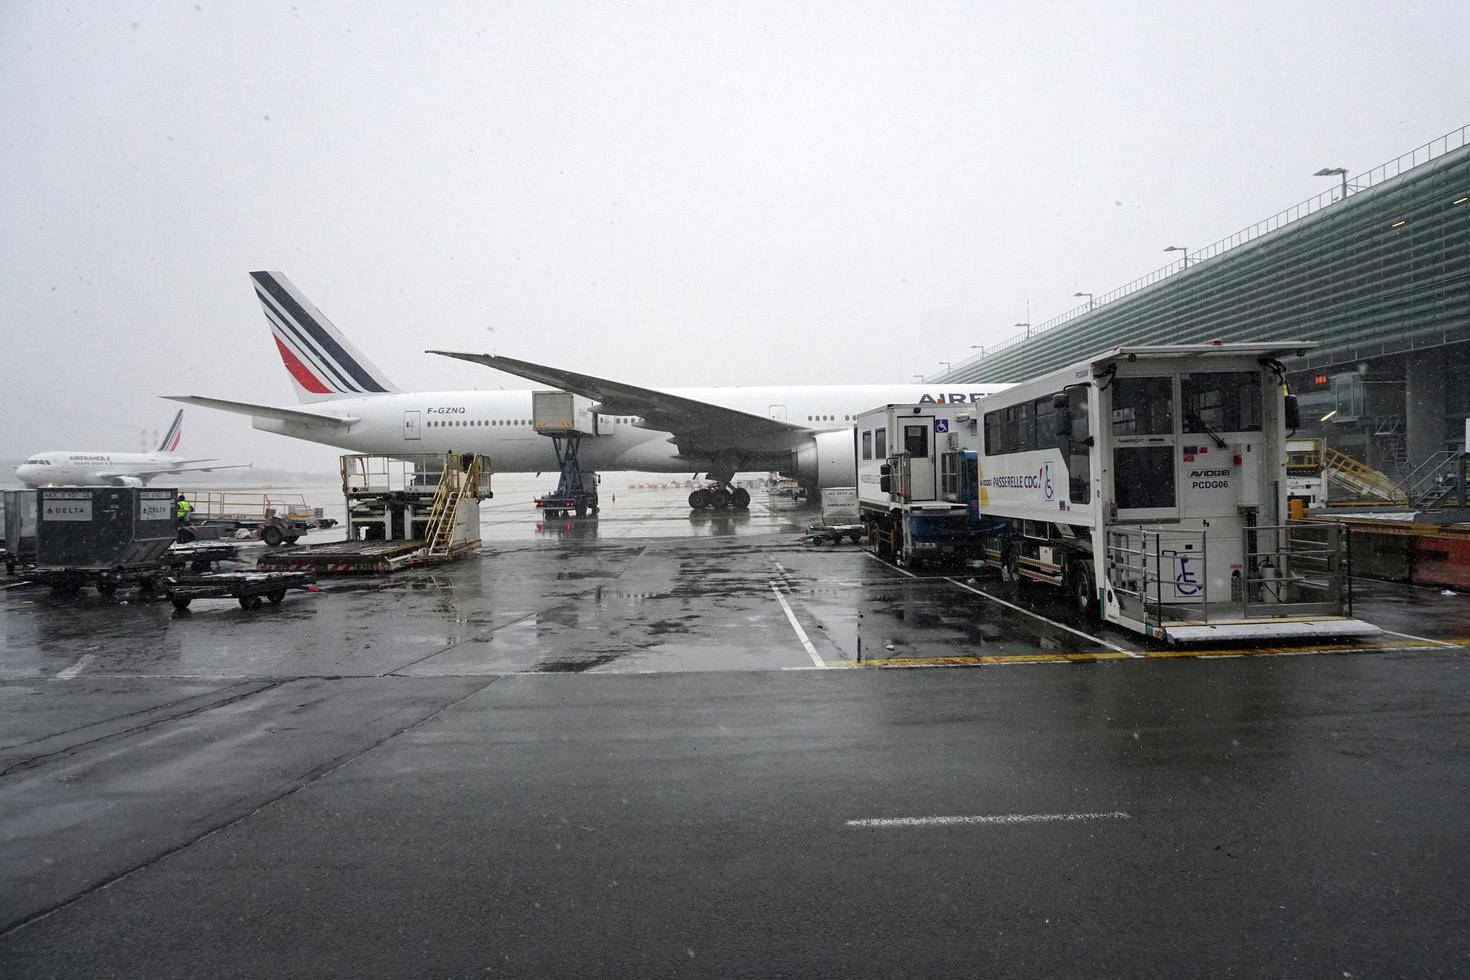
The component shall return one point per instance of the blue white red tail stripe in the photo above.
(175, 431)
(321, 361)
(304, 350)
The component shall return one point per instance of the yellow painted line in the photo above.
(1204, 654)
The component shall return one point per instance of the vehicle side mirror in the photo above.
(884, 469)
(1293, 413)
(885, 483)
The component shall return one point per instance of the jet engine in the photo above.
(828, 460)
(126, 481)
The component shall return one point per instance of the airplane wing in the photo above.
(181, 468)
(697, 427)
(309, 419)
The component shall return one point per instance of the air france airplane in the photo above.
(64, 468)
(348, 402)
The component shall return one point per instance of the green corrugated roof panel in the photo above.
(1345, 277)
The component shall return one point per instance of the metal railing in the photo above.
(1420, 155)
(367, 476)
(1287, 570)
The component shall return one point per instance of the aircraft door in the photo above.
(918, 444)
(411, 425)
(777, 412)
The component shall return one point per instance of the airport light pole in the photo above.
(947, 366)
(1335, 172)
(1180, 248)
(978, 347)
(1089, 298)
(1027, 326)
(919, 378)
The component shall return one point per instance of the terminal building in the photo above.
(1376, 272)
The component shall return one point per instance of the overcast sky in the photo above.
(668, 194)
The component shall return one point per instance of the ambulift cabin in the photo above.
(916, 481)
(1152, 483)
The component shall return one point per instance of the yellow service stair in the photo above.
(1361, 477)
(455, 482)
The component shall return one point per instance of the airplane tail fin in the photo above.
(322, 362)
(170, 443)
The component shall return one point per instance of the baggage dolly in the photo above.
(252, 589)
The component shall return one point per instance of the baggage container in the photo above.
(562, 413)
(103, 527)
(20, 527)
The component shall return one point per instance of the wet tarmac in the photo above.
(655, 745)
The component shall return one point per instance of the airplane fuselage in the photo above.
(79, 468)
(499, 424)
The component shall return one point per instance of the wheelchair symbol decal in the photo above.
(1185, 584)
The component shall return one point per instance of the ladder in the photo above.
(1434, 479)
(456, 481)
(1361, 477)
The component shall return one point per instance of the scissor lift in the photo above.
(565, 418)
(573, 494)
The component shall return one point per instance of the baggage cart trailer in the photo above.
(251, 589)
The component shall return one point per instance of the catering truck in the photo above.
(1151, 483)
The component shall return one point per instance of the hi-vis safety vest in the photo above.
(183, 509)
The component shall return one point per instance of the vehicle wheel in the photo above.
(581, 510)
(740, 499)
(719, 498)
(292, 538)
(855, 536)
(1010, 567)
(181, 603)
(276, 596)
(250, 602)
(199, 565)
(185, 535)
(107, 588)
(699, 499)
(1084, 589)
(272, 536)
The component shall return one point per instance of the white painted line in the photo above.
(885, 564)
(1421, 639)
(806, 643)
(74, 669)
(1062, 626)
(1004, 818)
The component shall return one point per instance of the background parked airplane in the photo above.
(801, 431)
(101, 468)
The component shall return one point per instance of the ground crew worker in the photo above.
(183, 509)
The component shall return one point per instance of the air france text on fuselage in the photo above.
(952, 398)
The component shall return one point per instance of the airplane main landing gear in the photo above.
(721, 496)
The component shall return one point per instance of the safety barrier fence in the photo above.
(1162, 574)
